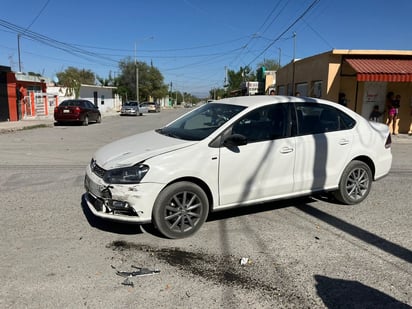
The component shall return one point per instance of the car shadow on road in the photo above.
(132, 228)
(357, 232)
(244, 210)
(108, 225)
(338, 293)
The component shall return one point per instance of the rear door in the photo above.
(323, 142)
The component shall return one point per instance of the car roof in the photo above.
(73, 102)
(257, 100)
(261, 100)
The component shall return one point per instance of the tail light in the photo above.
(388, 142)
(77, 110)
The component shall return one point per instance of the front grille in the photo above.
(99, 171)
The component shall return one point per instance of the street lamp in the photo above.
(136, 67)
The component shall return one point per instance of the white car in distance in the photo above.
(133, 108)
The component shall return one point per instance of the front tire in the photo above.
(86, 120)
(180, 210)
(355, 183)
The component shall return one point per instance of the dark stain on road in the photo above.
(223, 270)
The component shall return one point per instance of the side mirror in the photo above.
(235, 140)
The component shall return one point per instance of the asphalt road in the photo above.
(302, 253)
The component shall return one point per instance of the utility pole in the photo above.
(18, 50)
(137, 68)
(171, 92)
(280, 53)
(137, 73)
(293, 65)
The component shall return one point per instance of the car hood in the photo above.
(136, 148)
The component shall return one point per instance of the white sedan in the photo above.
(235, 152)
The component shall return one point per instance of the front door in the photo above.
(263, 168)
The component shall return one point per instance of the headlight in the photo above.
(126, 175)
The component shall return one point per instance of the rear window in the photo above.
(130, 104)
(71, 103)
(314, 118)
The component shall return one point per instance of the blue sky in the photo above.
(192, 41)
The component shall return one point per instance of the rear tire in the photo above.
(180, 209)
(355, 183)
(99, 119)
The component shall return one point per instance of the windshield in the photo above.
(201, 122)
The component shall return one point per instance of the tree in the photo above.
(72, 78)
(217, 93)
(110, 81)
(151, 81)
(34, 74)
(235, 79)
(270, 64)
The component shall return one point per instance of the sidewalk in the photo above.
(11, 126)
(37, 122)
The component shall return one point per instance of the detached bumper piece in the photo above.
(140, 271)
(110, 206)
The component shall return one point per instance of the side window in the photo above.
(313, 118)
(263, 124)
(89, 105)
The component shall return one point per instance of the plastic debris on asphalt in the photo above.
(128, 282)
(140, 271)
(244, 261)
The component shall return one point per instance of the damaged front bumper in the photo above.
(127, 203)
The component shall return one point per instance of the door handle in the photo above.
(286, 150)
(343, 141)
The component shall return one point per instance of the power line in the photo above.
(38, 15)
(318, 34)
(286, 30)
(165, 50)
(71, 49)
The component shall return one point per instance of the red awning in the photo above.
(382, 70)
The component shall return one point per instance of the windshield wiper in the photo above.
(161, 131)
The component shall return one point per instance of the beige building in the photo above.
(359, 78)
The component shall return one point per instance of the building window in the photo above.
(317, 89)
(302, 89)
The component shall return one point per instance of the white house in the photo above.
(102, 96)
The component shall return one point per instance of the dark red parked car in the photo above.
(79, 110)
